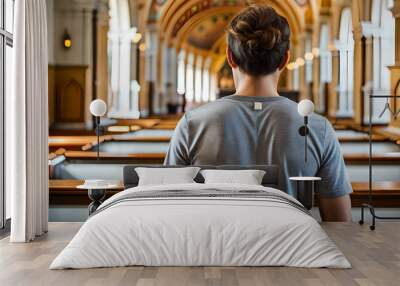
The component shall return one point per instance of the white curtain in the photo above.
(27, 119)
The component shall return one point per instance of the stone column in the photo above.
(206, 70)
(309, 68)
(102, 51)
(124, 89)
(358, 75)
(189, 78)
(345, 106)
(374, 68)
(320, 88)
(369, 66)
(296, 79)
(367, 85)
(161, 77)
(213, 85)
(333, 94)
(169, 71)
(143, 95)
(87, 9)
(289, 79)
(301, 68)
(198, 82)
(320, 102)
(151, 69)
(172, 71)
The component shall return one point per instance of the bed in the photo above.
(199, 224)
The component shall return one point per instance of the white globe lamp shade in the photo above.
(98, 107)
(305, 107)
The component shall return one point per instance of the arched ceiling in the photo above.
(155, 10)
(202, 23)
(208, 31)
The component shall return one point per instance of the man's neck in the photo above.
(257, 86)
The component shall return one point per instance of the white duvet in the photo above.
(204, 231)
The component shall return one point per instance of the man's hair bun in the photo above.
(259, 39)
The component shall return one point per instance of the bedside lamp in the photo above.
(98, 108)
(305, 108)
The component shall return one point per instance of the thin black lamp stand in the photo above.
(369, 204)
(98, 136)
(303, 131)
(305, 108)
(96, 193)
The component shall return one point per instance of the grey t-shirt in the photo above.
(243, 130)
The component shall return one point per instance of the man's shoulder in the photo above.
(215, 108)
(284, 109)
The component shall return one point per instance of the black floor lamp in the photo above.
(369, 204)
(306, 185)
(98, 108)
(305, 108)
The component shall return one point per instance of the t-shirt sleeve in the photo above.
(178, 153)
(335, 181)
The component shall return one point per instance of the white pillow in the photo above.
(248, 177)
(166, 176)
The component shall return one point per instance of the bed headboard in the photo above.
(131, 178)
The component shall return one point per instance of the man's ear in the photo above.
(229, 57)
(285, 61)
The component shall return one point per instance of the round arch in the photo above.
(175, 14)
(345, 46)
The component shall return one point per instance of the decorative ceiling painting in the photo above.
(155, 10)
(203, 6)
(209, 31)
(202, 23)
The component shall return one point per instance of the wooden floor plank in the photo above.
(375, 257)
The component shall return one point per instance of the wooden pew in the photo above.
(357, 164)
(142, 139)
(139, 158)
(55, 154)
(86, 143)
(362, 138)
(393, 157)
(73, 142)
(143, 123)
(120, 129)
(340, 127)
(385, 194)
(52, 158)
(165, 126)
(389, 132)
(383, 158)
